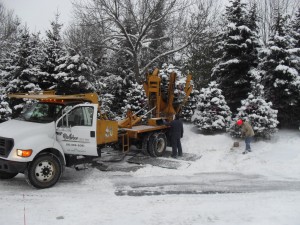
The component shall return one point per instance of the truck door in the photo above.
(76, 130)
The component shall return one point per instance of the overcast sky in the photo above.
(38, 13)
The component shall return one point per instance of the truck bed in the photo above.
(136, 130)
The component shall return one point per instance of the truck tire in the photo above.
(157, 144)
(44, 171)
(4, 175)
(145, 145)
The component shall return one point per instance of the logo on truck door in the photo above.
(109, 132)
(69, 137)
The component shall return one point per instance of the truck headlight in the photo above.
(24, 152)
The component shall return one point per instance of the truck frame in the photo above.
(58, 129)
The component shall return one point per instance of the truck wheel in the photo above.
(44, 171)
(4, 175)
(157, 144)
(145, 145)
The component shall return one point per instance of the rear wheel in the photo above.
(145, 144)
(44, 171)
(4, 175)
(157, 144)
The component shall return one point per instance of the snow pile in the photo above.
(91, 196)
(278, 158)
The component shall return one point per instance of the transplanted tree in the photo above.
(239, 55)
(136, 100)
(189, 108)
(212, 113)
(112, 95)
(74, 74)
(281, 79)
(179, 94)
(257, 111)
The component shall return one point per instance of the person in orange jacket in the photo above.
(247, 132)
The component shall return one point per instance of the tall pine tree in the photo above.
(22, 71)
(281, 79)
(53, 49)
(239, 55)
(295, 53)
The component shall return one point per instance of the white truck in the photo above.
(41, 141)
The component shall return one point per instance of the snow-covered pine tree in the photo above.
(189, 108)
(5, 110)
(239, 55)
(179, 93)
(22, 73)
(295, 29)
(74, 74)
(295, 53)
(53, 49)
(212, 113)
(135, 100)
(112, 95)
(256, 110)
(281, 79)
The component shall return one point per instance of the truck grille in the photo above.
(6, 145)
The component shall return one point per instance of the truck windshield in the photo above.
(41, 112)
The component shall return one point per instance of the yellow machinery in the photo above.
(151, 137)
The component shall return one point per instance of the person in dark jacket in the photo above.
(176, 133)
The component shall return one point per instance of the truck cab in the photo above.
(44, 136)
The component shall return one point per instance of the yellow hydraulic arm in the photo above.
(165, 108)
(51, 96)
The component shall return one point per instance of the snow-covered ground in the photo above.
(222, 187)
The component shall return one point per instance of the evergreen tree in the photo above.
(295, 55)
(257, 111)
(202, 58)
(5, 110)
(212, 113)
(107, 102)
(180, 81)
(295, 30)
(22, 73)
(135, 100)
(239, 55)
(281, 79)
(53, 50)
(157, 38)
(74, 74)
(189, 108)
(113, 94)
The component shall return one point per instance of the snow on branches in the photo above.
(212, 113)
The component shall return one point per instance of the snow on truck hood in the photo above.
(21, 129)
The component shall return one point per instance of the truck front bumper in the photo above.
(12, 166)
